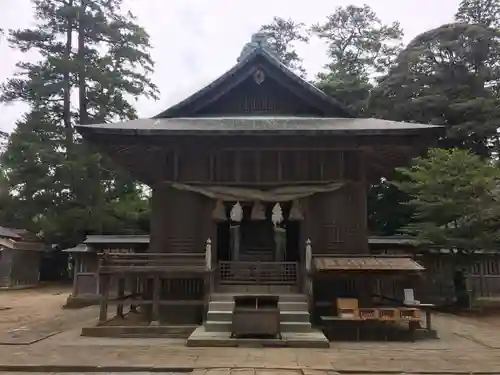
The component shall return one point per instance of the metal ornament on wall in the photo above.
(296, 211)
(277, 215)
(219, 212)
(258, 211)
(259, 77)
(237, 213)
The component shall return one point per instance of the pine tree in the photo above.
(283, 35)
(360, 49)
(95, 49)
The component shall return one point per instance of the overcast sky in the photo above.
(195, 41)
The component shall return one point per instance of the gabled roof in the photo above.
(366, 263)
(9, 233)
(258, 56)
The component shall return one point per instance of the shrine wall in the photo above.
(336, 222)
(181, 221)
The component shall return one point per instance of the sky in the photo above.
(195, 41)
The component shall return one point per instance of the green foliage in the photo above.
(482, 12)
(456, 200)
(360, 48)
(283, 35)
(387, 213)
(448, 76)
(58, 186)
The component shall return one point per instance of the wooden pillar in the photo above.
(103, 313)
(121, 295)
(76, 267)
(135, 291)
(155, 318)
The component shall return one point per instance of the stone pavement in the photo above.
(464, 347)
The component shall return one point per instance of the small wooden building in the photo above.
(259, 184)
(84, 261)
(481, 268)
(20, 255)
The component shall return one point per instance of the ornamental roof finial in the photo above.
(259, 40)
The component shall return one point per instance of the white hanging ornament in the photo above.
(237, 212)
(277, 214)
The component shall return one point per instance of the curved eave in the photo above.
(217, 133)
(260, 126)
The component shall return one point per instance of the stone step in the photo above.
(285, 297)
(284, 306)
(312, 339)
(285, 316)
(218, 326)
(220, 306)
(294, 306)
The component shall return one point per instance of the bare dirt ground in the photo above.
(466, 344)
(29, 306)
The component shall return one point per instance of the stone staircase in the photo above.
(295, 324)
(293, 311)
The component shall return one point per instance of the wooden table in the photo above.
(328, 319)
(426, 307)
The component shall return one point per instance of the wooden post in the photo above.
(155, 319)
(208, 266)
(481, 279)
(135, 290)
(121, 294)
(308, 277)
(76, 268)
(103, 313)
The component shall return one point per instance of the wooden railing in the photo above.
(258, 273)
(151, 262)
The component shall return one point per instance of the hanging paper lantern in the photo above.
(295, 211)
(258, 211)
(237, 212)
(219, 212)
(277, 214)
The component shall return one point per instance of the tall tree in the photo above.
(448, 76)
(456, 197)
(283, 36)
(360, 48)
(481, 12)
(95, 49)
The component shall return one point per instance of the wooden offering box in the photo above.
(256, 316)
(348, 308)
(368, 313)
(388, 313)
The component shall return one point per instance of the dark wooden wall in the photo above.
(250, 98)
(336, 221)
(262, 166)
(181, 221)
(19, 267)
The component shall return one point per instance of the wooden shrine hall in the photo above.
(259, 185)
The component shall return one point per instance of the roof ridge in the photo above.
(251, 51)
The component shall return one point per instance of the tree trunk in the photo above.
(82, 89)
(94, 188)
(67, 84)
